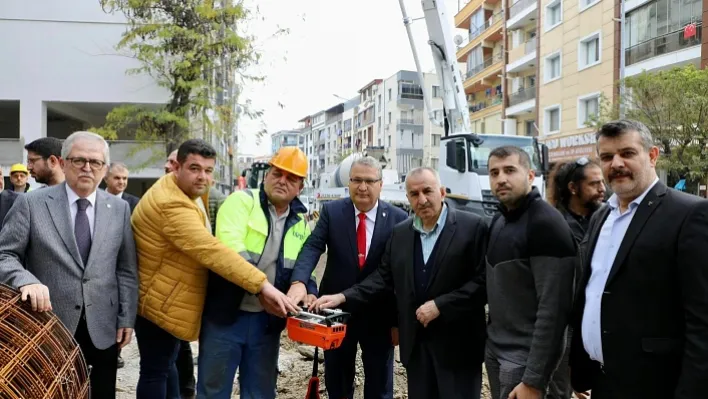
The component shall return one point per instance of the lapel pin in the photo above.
(650, 202)
(108, 205)
(383, 214)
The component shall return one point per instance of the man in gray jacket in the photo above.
(69, 248)
(530, 269)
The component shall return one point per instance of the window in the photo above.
(434, 163)
(379, 105)
(552, 119)
(389, 98)
(436, 140)
(389, 140)
(588, 106)
(436, 91)
(379, 122)
(552, 67)
(589, 51)
(554, 14)
(530, 128)
(585, 4)
(389, 116)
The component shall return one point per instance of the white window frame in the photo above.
(546, 25)
(582, 7)
(546, 115)
(582, 41)
(546, 66)
(582, 112)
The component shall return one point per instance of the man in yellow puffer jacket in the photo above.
(175, 252)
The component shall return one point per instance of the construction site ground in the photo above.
(295, 365)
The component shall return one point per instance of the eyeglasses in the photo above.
(80, 162)
(31, 161)
(369, 182)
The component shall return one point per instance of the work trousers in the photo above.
(102, 363)
(158, 353)
(247, 346)
(376, 355)
(429, 379)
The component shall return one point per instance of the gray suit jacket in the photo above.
(37, 245)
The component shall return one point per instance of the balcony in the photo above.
(522, 101)
(488, 106)
(482, 75)
(462, 18)
(663, 45)
(522, 13)
(523, 57)
(489, 33)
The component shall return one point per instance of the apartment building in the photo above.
(284, 138)
(388, 117)
(481, 48)
(563, 55)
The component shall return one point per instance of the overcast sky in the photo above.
(334, 47)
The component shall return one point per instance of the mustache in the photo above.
(615, 173)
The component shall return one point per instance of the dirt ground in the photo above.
(295, 370)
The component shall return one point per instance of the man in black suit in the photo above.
(435, 264)
(354, 231)
(117, 181)
(641, 329)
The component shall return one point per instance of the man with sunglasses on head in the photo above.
(577, 190)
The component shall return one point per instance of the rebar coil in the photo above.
(39, 357)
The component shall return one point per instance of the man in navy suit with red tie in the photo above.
(355, 231)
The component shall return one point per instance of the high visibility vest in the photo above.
(243, 207)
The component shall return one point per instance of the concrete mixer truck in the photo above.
(335, 185)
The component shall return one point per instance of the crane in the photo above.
(463, 154)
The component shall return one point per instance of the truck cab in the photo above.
(464, 171)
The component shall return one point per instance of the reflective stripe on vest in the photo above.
(257, 234)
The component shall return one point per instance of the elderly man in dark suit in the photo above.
(641, 329)
(69, 248)
(117, 181)
(354, 231)
(435, 264)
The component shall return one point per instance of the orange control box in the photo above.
(322, 332)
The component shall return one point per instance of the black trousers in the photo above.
(102, 364)
(428, 379)
(377, 357)
(185, 369)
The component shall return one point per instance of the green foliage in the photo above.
(195, 49)
(674, 106)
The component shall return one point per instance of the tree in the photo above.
(195, 49)
(674, 106)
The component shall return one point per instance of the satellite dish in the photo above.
(458, 40)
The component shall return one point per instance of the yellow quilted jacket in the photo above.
(175, 251)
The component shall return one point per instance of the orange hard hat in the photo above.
(290, 159)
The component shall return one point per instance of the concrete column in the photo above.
(33, 125)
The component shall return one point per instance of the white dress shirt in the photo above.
(74, 208)
(608, 244)
(370, 223)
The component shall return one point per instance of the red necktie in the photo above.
(361, 239)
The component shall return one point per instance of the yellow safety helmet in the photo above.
(290, 159)
(19, 167)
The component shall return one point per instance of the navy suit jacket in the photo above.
(131, 200)
(336, 231)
